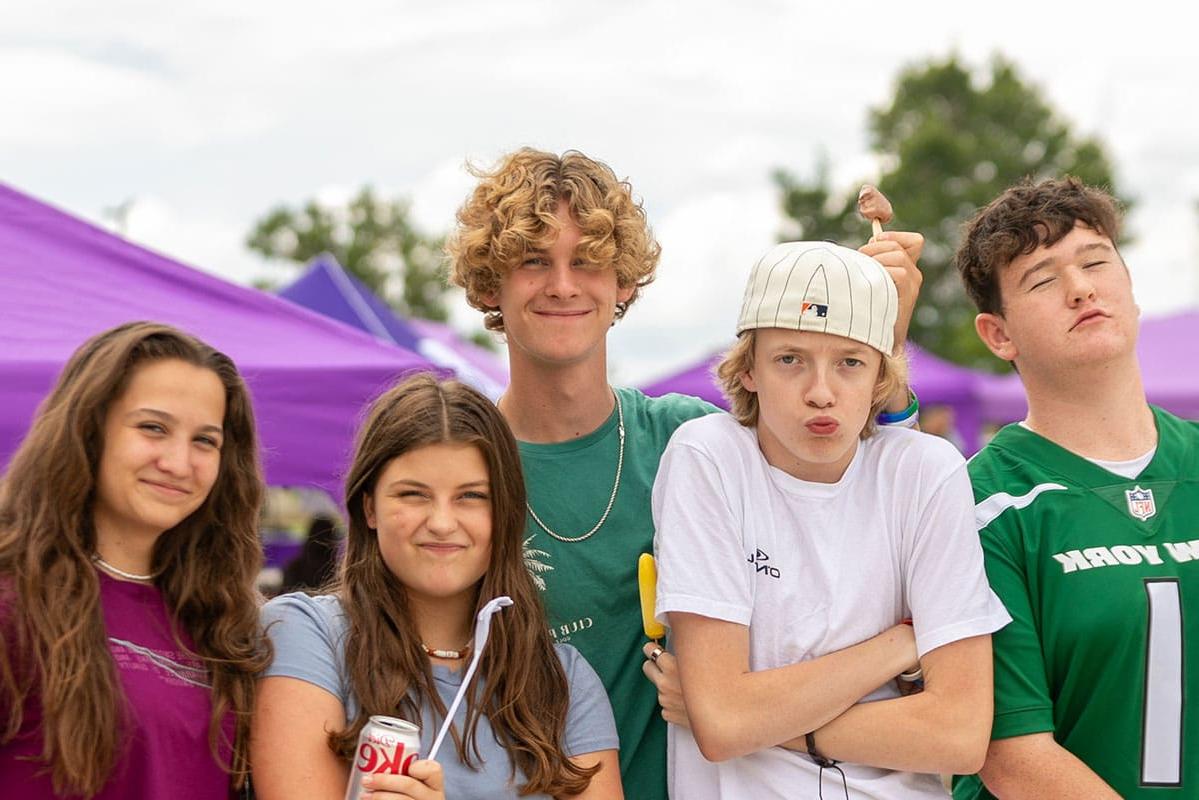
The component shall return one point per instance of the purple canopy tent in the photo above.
(328, 289)
(1168, 348)
(63, 280)
(441, 344)
(936, 381)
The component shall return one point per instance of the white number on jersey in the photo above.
(1161, 744)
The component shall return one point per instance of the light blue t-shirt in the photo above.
(309, 637)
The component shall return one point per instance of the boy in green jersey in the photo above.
(1087, 515)
(553, 249)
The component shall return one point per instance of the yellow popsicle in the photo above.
(647, 581)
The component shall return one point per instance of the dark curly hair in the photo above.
(1027, 216)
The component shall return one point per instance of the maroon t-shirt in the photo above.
(166, 752)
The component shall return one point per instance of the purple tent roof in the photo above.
(63, 280)
(936, 381)
(1168, 348)
(327, 288)
(442, 344)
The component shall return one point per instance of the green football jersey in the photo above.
(590, 587)
(1101, 577)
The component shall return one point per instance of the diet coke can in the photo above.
(386, 745)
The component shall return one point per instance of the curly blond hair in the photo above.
(512, 212)
(743, 404)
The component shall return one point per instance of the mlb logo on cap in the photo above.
(823, 288)
(1140, 503)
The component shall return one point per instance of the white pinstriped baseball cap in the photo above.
(824, 288)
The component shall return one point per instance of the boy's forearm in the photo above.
(1036, 767)
(898, 401)
(917, 733)
(727, 710)
(944, 728)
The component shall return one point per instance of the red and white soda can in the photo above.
(386, 745)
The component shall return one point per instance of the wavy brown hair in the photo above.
(520, 686)
(513, 212)
(208, 564)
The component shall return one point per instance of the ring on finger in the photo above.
(653, 654)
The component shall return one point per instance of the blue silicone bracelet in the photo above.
(901, 416)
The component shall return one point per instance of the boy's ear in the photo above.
(747, 380)
(992, 329)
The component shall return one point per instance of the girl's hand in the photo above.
(424, 781)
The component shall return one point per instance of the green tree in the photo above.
(373, 238)
(950, 140)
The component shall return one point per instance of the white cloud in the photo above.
(437, 195)
(210, 113)
(212, 244)
(708, 246)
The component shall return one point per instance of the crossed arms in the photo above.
(945, 728)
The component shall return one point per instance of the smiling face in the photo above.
(431, 511)
(814, 392)
(162, 449)
(1066, 305)
(558, 308)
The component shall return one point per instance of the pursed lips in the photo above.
(1088, 316)
(822, 426)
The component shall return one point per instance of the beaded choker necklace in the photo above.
(453, 655)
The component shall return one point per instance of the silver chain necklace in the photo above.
(109, 568)
(611, 499)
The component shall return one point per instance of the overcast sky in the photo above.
(205, 115)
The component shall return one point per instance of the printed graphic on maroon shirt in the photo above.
(173, 667)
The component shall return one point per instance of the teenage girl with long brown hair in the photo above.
(436, 506)
(129, 638)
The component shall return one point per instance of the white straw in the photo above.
(482, 629)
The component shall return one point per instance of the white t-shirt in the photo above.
(813, 568)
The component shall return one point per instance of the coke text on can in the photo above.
(385, 745)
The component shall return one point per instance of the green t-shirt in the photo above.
(1101, 577)
(590, 587)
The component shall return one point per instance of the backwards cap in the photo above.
(823, 288)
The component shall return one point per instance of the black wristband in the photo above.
(814, 754)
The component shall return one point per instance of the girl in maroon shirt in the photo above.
(129, 643)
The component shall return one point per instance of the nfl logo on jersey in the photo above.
(1140, 503)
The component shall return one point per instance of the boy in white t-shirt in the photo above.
(794, 538)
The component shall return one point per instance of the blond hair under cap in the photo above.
(823, 288)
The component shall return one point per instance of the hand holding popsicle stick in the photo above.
(898, 252)
(659, 666)
(874, 206)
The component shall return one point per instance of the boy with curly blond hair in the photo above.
(553, 249)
